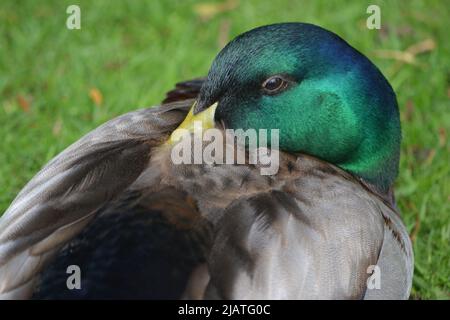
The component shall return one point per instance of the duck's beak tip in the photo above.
(204, 118)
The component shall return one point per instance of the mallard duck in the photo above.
(139, 226)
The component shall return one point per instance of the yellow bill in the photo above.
(204, 119)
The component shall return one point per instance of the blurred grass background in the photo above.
(57, 84)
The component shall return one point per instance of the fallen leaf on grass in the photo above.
(422, 47)
(24, 103)
(57, 126)
(402, 56)
(96, 96)
(207, 11)
(409, 55)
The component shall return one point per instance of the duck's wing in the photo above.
(313, 238)
(142, 246)
(68, 192)
(395, 264)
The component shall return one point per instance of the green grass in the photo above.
(134, 51)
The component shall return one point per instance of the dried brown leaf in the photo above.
(207, 11)
(96, 96)
(402, 56)
(422, 47)
(24, 103)
(409, 55)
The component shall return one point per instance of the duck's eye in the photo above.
(274, 85)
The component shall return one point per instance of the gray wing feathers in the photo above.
(281, 245)
(395, 262)
(67, 193)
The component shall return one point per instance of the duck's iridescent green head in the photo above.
(327, 99)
